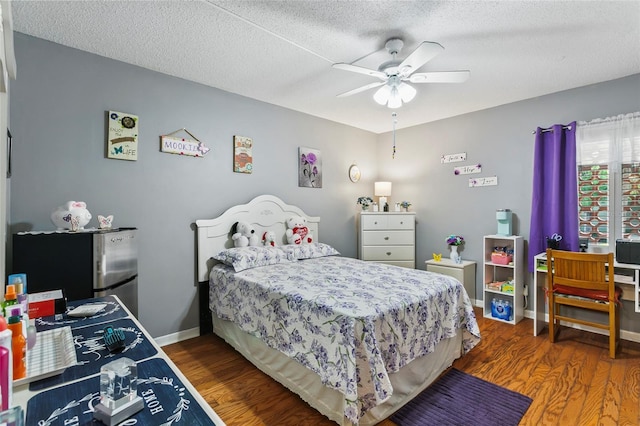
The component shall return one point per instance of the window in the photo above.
(608, 157)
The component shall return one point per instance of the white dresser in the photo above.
(388, 237)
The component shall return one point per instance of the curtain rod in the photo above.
(550, 129)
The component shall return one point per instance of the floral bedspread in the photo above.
(349, 321)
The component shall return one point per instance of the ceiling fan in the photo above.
(396, 73)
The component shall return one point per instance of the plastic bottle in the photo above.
(18, 284)
(508, 310)
(18, 345)
(10, 299)
(6, 344)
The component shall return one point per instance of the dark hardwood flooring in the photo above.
(571, 382)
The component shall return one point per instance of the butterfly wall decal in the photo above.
(437, 257)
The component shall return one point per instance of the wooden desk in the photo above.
(627, 277)
(165, 375)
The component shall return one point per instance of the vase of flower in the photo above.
(405, 205)
(365, 202)
(454, 241)
(455, 256)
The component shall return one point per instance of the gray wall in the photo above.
(499, 139)
(58, 105)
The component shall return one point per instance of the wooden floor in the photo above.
(571, 382)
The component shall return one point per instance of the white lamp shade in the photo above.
(407, 92)
(382, 94)
(382, 189)
(395, 101)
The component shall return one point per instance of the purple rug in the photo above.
(460, 399)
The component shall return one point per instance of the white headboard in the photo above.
(264, 213)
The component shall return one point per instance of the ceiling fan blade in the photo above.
(361, 89)
(423, 53)
(440, 77)
(360, 70)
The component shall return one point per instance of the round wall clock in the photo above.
(354, 173)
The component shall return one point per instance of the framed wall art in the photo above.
(122, 140)
(242, 154)
(309, 168)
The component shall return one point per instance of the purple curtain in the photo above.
(554, 206)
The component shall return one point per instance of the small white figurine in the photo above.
(76, 210)
(105, 222)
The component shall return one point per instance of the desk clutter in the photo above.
(92, 351)
(166, 400)
(85, 362)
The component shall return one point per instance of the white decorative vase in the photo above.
(455, 257)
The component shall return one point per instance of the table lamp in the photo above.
(382, 190)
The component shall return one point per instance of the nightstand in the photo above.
(464, 272)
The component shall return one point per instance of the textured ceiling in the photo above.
(281, 52)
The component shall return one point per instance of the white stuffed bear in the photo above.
(297, 232)
(245, 235)
(239, 240)
(269, 239)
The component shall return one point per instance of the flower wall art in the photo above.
(309, 168)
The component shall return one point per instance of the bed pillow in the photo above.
(242, 258)
(309, 251)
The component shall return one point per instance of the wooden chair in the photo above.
(583, 280)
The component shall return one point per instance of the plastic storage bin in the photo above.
(501, 258)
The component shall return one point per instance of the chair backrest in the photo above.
(582, 270)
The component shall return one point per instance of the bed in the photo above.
(356, 340)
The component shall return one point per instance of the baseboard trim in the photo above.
(178, 337)
(632, 336)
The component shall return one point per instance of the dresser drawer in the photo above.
(389, 253)
(374, 221)
(388, 238)
(401, 222)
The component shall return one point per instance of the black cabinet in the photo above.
(56, 261)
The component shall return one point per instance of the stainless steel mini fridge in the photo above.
(84, 264)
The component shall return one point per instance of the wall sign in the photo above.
(182, 146)
(467, 170)
(483, 181)
(453, 158)
(122, 141)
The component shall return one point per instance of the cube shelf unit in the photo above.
(497, 272)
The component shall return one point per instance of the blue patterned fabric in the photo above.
(167, 402)
(309, 251)
(351, 322)
(92, 352)
(242, 258)
(112, 311)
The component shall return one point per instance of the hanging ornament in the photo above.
(394, 116)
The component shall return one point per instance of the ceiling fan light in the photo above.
(407, 92)
(382, 94)
(395, 101)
